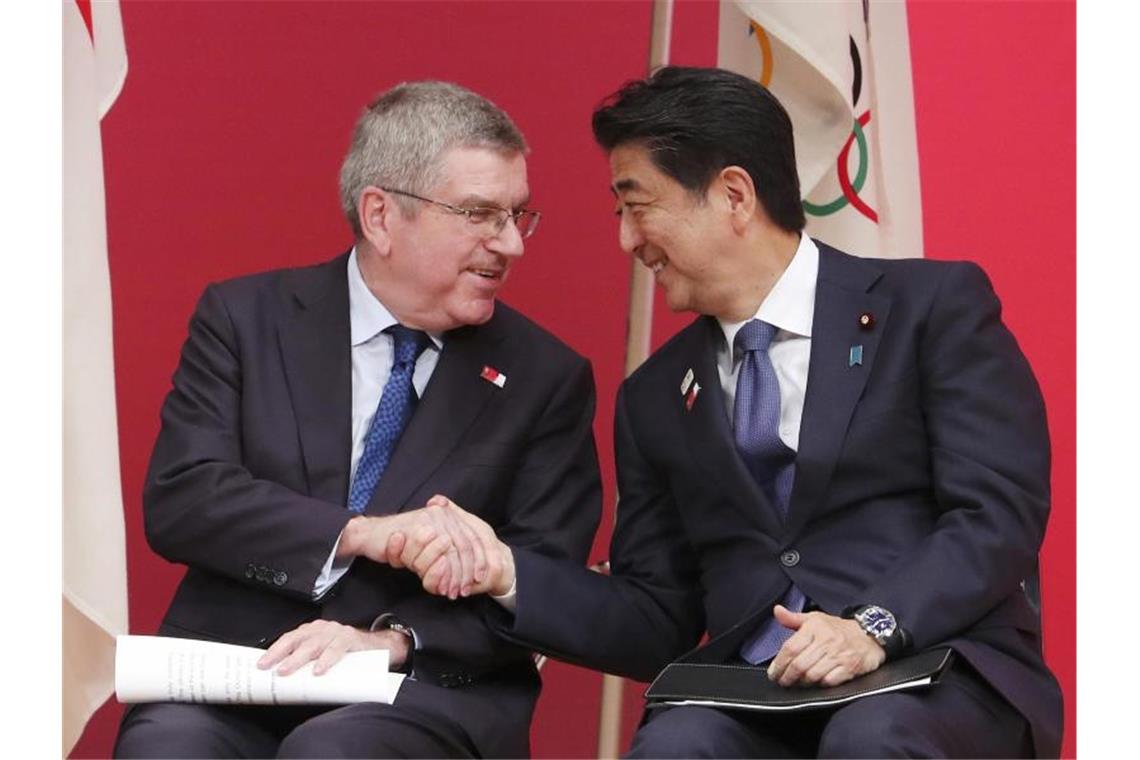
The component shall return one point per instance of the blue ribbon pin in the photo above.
(856, 356)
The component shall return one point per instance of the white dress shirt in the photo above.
(790, 306)
(372, 357)
(371, 365)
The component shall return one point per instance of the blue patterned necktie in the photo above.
(397, 403)
(756, 429)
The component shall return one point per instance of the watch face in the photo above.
(876, 621)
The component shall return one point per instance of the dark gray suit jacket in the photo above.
(248, 482)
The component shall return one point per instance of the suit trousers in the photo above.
(962, 716)
(363, 730)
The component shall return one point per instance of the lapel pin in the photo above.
(866, 320)
(687, 382)
(855, 356)
(691, 397)
(493, 376)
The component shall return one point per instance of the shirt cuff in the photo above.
(508, 599)
(331, 572)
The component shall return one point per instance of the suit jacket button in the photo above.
(790, 558)
(280, 578)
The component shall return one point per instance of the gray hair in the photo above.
(402, 135)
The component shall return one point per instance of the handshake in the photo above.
(452, 551)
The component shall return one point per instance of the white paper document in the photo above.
(164, 669)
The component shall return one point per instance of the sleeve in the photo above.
(647, 612)
(989, 460)
(553, 508)
(202, 507)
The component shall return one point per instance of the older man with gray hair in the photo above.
(316, 420)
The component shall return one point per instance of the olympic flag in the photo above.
(842, 70)
(94, 558)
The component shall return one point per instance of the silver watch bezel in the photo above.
(877, 622)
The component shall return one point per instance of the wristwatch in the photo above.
(879, 623)
(392, 623)
(395, 624)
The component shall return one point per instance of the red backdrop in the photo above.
(222, 153)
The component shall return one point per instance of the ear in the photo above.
(374, 210)
(740, 194)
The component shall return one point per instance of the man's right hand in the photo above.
(453, 552)
(499, 578)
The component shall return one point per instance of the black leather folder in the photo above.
(746, 687)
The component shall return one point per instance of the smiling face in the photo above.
(670, 231)
(436, 270)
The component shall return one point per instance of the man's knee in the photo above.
(321, 736)
(689, 732)
(869, 732)
(962, 716)
(370, 730)
(181, 730)
(312, 739)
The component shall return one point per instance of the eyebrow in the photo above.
(484, 202)
(625, 184)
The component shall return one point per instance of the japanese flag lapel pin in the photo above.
(686, 382)
(493, 376)
(689, 390)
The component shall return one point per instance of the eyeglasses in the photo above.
(489, 219)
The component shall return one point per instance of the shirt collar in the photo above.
(367, 316)
(790, 305)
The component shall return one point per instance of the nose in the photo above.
(629, 235)
(508, 241)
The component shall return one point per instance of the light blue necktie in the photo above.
(756, 429)
(397, 402)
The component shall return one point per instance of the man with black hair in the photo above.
(840, 461)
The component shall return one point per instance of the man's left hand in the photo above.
(824, 650)
(326, 642)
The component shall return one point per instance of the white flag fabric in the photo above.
(94, 552)
(842, 71)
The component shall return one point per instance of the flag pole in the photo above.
(639, 328)
(641, 278)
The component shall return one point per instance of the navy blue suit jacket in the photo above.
(248, 482)
(922, 485)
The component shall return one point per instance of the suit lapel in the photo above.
(316, 351)
(452, 400)
(834, 384)
(708, 432)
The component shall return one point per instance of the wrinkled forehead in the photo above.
(482, 174)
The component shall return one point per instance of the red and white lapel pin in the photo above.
(493, 376)
(689, 390)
